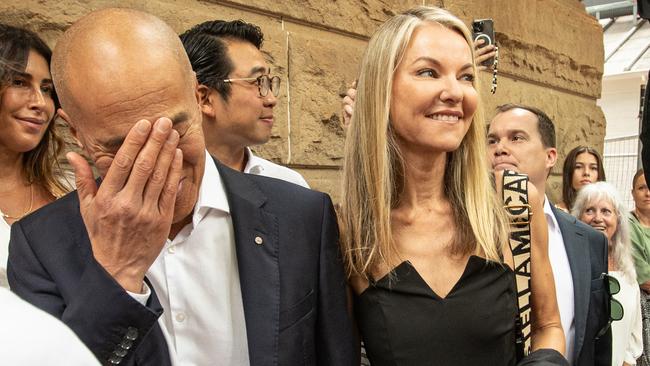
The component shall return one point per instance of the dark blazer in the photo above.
(586, 249)
(293, 285)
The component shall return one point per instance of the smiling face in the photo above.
(246, 118)
(26, 106)
(585, 170)
(602, 216)
(433, 97)
(514, 143)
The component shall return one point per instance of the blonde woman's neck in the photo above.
(423, 180)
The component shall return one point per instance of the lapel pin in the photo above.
(259, 240)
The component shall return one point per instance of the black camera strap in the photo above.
(515, 199)
(495, 71)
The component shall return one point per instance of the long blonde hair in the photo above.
(373, 170)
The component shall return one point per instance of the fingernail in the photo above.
(164, 124)
(143, 126)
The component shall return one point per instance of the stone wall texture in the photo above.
(551, 56)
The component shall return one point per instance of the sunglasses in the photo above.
(615, 307)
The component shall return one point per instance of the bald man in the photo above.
(174, 259)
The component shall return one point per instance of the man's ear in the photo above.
(206, 101)
(551, 157)
(73, 129)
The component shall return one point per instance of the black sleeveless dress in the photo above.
(404, 323)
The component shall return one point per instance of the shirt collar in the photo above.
(253, 163)
(212, 194)
(548, 212)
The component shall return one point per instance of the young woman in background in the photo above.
(583, 165)
(29, 144)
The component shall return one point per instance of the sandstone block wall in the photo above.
(551, 55)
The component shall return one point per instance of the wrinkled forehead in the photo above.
(108, 109)
(127, 93)
(600, 200)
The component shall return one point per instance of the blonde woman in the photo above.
(424, 236)
(600, 206)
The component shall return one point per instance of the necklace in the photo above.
(31, 205)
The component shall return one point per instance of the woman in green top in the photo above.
(640, 229)
(640, 238)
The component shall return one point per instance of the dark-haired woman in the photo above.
(583, 165)
(29, 144)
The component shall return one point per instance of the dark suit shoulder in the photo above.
(561, 215)
(58, 214)
(257, 188)
(279, 186)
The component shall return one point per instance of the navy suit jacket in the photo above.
(293, 285)
(586, 249)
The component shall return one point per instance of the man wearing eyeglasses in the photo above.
(174, 259)
(238, 94)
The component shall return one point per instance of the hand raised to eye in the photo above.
(128, 217)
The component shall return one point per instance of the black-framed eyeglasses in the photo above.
(264, 84)
(615, 307)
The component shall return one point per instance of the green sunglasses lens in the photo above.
(614, 286)
(616, 310)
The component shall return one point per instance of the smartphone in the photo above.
(484, 29)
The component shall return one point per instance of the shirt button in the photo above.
(259, 240)
(180, 317)
(171, 249)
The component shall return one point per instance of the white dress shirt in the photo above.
(627, 333)
(30, 336)
(258, 166)
(196, 279)
(563, 278)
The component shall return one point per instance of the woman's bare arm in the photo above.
(546, 325)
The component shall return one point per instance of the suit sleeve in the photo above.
(110, 322)
(335, 340)
(603, 345)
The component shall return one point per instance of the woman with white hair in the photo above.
(424, 234)
(600, 206)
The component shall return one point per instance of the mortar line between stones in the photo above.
(291, 19)
(288, 98)
(546, 86)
